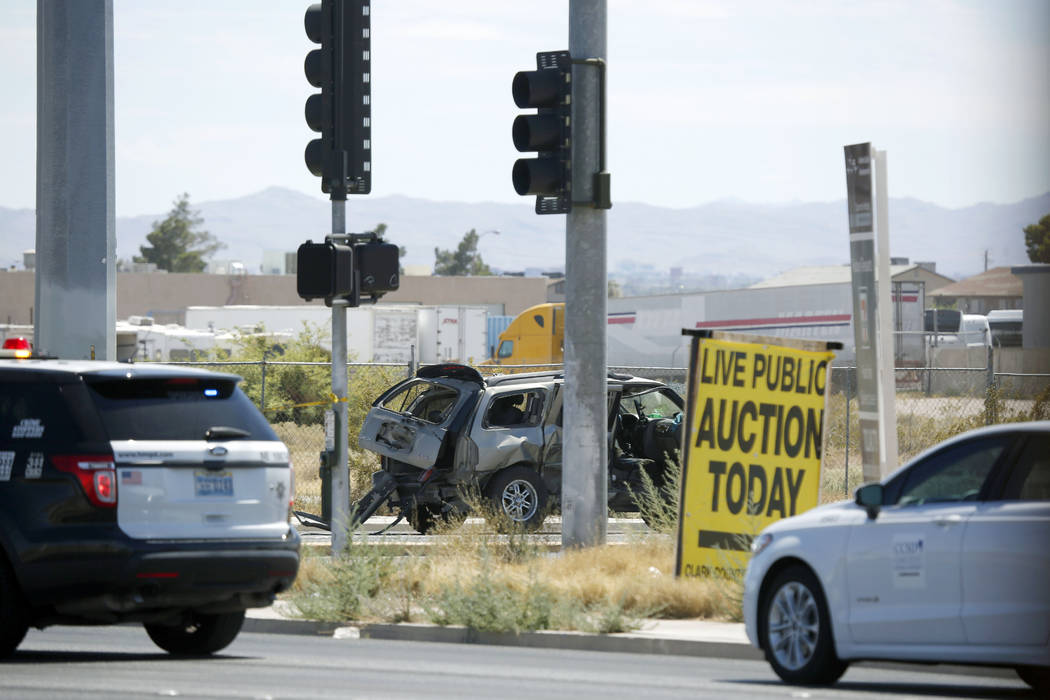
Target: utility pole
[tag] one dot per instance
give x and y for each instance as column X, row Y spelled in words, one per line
column 75, row 193
column 584, row 485
column 568, row 176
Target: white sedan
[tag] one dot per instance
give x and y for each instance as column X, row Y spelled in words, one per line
column 947, row 560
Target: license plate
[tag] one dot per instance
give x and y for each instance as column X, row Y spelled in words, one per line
column 208, row 484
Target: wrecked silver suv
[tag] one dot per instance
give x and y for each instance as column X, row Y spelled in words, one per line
column 449, row 431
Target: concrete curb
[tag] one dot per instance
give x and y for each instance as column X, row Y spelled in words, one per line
column 625, row 643
column 577, row 641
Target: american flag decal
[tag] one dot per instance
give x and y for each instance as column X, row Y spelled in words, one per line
column 132, row 477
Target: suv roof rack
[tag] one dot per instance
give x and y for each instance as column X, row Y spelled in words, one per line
column 525, row 376
column 552, row 374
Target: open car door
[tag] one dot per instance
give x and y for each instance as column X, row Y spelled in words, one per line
column 409, row 423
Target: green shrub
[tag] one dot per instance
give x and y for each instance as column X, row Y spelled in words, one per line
column 348, row 587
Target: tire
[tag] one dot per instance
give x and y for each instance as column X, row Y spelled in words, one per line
column 795, row 630
column 421, row 518
column 520, row 498
column 1038, row 677
column 424, row 519
column 13, row 619
column 198, row 634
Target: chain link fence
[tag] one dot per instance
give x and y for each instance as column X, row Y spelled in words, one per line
column 932, row 404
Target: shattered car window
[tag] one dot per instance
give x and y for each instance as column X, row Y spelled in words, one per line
column 650, row 404
column 424, row 400
column 511, row 410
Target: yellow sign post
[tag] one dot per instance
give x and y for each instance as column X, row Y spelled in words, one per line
column 753, row 444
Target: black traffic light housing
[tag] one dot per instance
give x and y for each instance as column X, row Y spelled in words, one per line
column 358, row 265
column 378, row 267
column 324, row 271
column 548, row 89
column 342, row 111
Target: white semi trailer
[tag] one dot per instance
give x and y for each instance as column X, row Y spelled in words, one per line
column 379, row 333
column 647, row 331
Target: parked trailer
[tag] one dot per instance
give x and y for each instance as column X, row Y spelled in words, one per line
column 647, row 331
column 141, row 340
column 380, row 333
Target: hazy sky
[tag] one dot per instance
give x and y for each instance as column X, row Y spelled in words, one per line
column 707, row 99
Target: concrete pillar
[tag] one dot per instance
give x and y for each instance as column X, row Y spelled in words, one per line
column 75, row 195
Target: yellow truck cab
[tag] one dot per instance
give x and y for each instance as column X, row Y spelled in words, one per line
column 535, row 337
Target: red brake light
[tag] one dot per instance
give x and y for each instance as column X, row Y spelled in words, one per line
column 96, row 473
column 106, row 486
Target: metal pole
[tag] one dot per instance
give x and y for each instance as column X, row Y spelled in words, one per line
column 847, row 371
column 262, row 387
column 584, row 480
column 990, row 414
column 340, row 475
column 885, row 356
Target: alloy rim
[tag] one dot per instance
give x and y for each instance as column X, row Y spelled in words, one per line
column 794, row 625
column 519, row 500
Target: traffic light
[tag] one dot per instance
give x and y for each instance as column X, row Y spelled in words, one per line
column 324, row 271
column 342, row 111
column 548, row 89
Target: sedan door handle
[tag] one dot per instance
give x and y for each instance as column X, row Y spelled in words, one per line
column 944, row 520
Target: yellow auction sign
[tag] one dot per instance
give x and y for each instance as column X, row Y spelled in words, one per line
column 753, row 444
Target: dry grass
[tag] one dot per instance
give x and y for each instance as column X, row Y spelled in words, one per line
column 305, row 443
column 505, row 583
column 640, row 576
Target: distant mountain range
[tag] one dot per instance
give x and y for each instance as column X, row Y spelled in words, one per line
column 727, row 237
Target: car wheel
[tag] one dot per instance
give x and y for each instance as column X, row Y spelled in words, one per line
column 198, row 634
column 1038, row 677
column 520, row 498
column 424, row 519
column 796, row 629
column 13, row 620
column 421, row 518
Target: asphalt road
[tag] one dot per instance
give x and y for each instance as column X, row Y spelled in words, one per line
column 121, row 662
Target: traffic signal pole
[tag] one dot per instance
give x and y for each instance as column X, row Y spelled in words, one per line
column 340, row 472
column 584, row 485
column 335, row 174
column 342, row 157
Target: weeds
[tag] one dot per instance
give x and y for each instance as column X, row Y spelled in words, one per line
column 658, row 505
column 476, row 580
column 492, row 603
column 343, row 588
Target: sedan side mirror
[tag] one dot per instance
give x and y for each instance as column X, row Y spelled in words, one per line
column 869, row 496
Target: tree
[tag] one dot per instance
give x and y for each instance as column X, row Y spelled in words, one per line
column 1037, row 240
column 465, row 260
column 177, row 244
